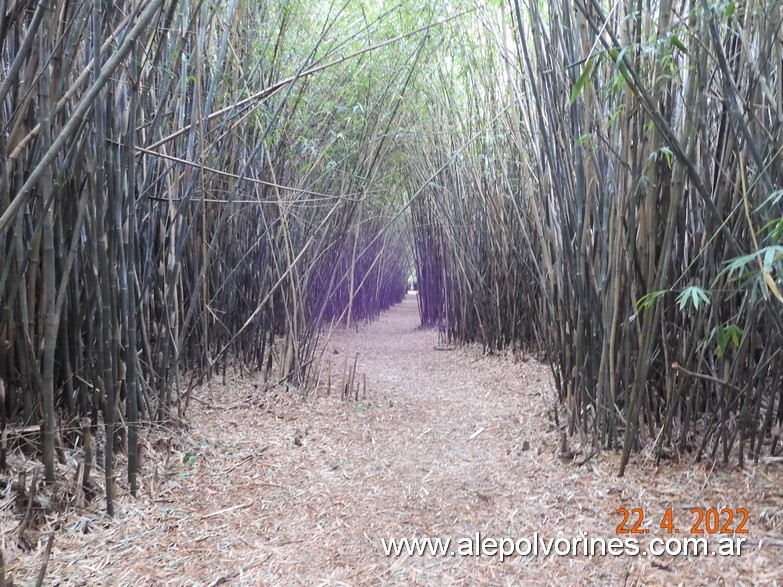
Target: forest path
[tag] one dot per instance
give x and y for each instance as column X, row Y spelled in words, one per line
column 267, row 488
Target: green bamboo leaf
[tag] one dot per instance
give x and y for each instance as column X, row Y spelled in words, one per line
column 773, row 230
column 773, row 199
column 728, row 333
column 580, row 81
column 667, row 152
column 675, row 41
column 693, row 295
column 735, row 265
column 723, row 342
column 617, row 57
column 770, row 256
column 647, row 299
column 730, row 9
column 582, row 139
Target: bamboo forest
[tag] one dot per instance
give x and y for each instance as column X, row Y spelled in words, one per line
column 354, row 292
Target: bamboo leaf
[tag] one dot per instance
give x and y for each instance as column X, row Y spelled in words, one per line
column 693, row 295
column 582, row 140
column 772, row 200
column 728, row 333
column 770, row 283
column 773, row 230
column 580, row 81
column 770, row 256
column 735, row 265
column 675, row 41
column 648, row 299
column 729, row 11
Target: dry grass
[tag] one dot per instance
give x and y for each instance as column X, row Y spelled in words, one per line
column 266, row 487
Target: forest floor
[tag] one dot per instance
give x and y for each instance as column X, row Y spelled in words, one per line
column 267, row 487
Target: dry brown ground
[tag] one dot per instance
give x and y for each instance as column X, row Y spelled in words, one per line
column 266, row 488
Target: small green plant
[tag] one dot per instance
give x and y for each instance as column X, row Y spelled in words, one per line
column 189, row 459
column 693, row 295
column 769, row 260
column 727, row 333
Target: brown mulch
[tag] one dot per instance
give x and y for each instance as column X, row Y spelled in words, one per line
column 269, row 487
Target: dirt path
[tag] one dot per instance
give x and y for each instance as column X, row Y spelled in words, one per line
column 268, row 489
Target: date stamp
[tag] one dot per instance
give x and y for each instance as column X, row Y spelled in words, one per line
column 699, row 521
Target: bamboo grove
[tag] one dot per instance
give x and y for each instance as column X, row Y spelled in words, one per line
column 193, row 187
column 619, row 206
column 185, row 186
